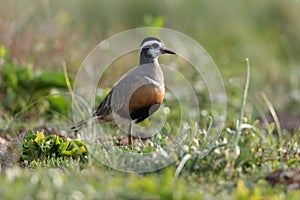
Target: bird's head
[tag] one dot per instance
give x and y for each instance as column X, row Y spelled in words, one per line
column 152, row 47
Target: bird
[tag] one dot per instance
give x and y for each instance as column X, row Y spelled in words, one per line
column 138, row 94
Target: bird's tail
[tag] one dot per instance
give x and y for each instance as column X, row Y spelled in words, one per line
column 83, row 123
column 79, row 125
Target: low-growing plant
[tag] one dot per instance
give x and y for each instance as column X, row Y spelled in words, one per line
column 39, row 148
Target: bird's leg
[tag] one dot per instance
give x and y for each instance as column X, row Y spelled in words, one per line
column 129, row 135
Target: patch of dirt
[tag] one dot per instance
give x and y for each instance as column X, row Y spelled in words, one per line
column 3, row 150
column 288, row 177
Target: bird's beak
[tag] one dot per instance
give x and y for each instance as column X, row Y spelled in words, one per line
column 167, row 51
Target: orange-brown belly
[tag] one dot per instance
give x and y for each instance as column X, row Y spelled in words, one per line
column 145, row 96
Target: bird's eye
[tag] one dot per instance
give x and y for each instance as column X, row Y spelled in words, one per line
column 155, row 45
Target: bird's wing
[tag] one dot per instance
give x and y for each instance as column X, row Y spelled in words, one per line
column 124, row 90
column 120, row 94
column 117, row 100
column 105, row 107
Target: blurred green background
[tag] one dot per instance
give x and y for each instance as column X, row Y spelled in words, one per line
column 46, row 33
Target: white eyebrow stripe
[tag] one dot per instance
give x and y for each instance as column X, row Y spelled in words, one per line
column 148, row 43
column 152, row 81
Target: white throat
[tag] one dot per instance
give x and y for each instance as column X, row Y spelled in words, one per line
column 155, row 61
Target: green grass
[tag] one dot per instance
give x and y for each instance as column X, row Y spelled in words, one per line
column 39, row 38
column 220, row 173
column 235, row 165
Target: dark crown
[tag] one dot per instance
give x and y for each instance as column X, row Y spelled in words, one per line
column 149, row 39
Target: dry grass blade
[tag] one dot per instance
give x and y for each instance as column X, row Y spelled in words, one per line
column 273, row 113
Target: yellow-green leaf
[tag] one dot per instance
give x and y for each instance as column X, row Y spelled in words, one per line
column 40, row 138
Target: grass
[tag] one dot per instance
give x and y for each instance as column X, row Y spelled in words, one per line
column 219, row 173
column 234, row 166
column 203, row 171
